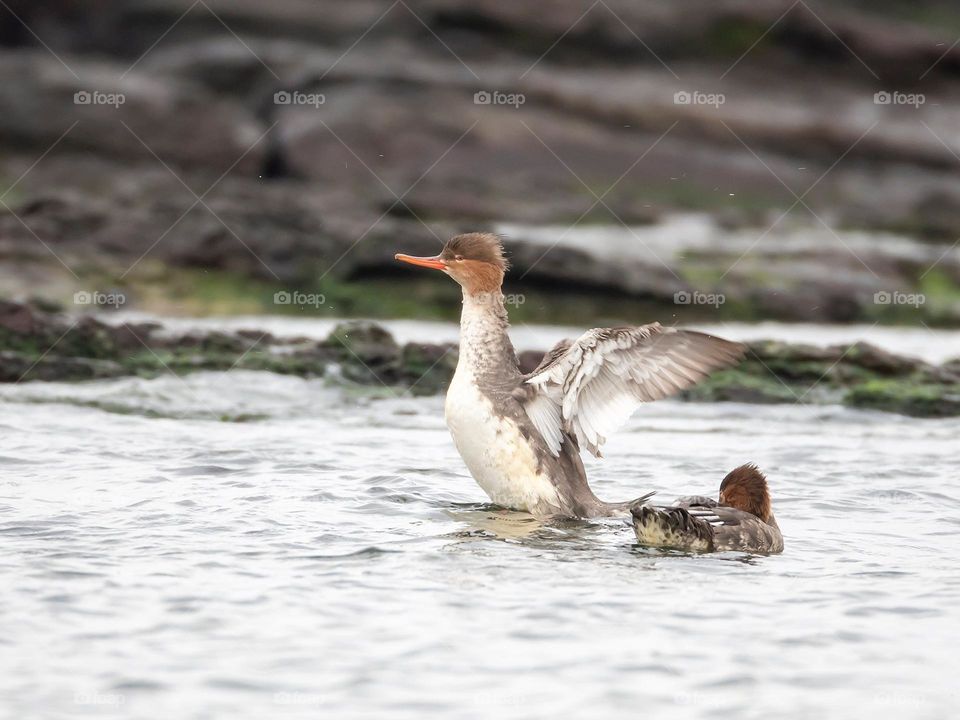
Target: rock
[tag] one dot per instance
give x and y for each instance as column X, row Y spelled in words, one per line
column 367, row 352
column 132, row 117
column 595, row 115
column 952, row 367
column 428, row 368
column 17, row 367
column 133, row 337
column 906, row 399
column 121, row 217
column 37, row 345
column 880, row 361
column 17, row 318
column 735, row 386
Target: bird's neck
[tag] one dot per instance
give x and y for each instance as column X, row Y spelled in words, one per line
column 485, row 345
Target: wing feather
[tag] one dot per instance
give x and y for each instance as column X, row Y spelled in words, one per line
column 590, row 387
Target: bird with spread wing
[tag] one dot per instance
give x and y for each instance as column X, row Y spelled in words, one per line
column 520, row 435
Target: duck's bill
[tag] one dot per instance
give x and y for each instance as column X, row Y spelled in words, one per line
column 429, row 262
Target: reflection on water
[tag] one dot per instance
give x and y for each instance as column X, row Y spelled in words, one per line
column 497, row 523
column 329, row 556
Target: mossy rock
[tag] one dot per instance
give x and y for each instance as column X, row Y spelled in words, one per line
column 908, row 399
column 364, row 340
column 428, row 368
column 19, row 367
column 880, row 361
column 90, row 339
column 739, row 386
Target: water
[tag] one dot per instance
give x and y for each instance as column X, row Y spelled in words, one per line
column 245, row 545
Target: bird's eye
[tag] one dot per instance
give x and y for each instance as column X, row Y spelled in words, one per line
column 458, row 257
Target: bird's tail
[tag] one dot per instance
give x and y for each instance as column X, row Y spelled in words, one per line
column 674, row 528
column 622, row 508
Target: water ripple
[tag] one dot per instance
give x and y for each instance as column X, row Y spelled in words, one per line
column 312, row 560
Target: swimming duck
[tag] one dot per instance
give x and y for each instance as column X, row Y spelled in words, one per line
column 741, row 519
column 520, row 434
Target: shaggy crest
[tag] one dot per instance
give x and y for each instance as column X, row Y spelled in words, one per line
column 745, row 488
column 481, row 247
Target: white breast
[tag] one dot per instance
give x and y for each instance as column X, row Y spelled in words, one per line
column 494, row 450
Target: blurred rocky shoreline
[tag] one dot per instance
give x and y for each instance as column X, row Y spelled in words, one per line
column 37, row 344
column 799, row 158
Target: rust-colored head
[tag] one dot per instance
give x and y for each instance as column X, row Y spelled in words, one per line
column 745, row 488
column 475, row 260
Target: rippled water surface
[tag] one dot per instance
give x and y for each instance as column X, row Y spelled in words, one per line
column 246, row 545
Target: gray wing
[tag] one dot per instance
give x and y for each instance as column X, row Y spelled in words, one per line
column 738, row 530
column 695, row 500
column 552, row 355
column 590, row 387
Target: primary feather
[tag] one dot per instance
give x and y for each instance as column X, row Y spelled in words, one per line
column 590, row 388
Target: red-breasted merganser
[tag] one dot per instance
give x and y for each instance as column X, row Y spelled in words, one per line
column 741, row 520
column 520, row 434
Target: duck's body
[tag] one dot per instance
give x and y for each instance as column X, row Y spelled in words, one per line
column 493, row 432
column 742, row 519
column 520, row 434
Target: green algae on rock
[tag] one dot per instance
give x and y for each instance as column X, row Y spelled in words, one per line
column 37, row 344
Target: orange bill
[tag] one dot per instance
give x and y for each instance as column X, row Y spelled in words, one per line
column 430, row 262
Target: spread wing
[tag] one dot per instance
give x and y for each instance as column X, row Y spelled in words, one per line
column 590, row 387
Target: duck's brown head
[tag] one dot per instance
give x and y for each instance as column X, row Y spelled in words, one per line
column 475, row 260
column 745, row 488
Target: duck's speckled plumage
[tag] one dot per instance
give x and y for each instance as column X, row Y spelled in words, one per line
column 701, row 524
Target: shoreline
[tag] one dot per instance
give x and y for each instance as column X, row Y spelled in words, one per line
column 40, row 345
